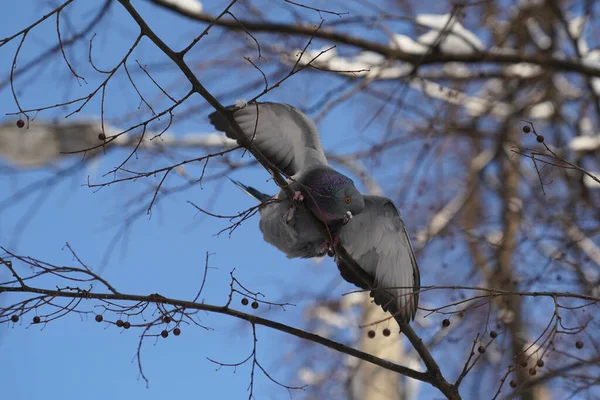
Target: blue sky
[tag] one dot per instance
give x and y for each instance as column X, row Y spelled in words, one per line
column 164, row 254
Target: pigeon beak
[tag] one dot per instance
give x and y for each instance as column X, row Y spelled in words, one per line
column 347, row 217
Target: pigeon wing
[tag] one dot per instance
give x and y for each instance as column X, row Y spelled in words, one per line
column 377, row 240
column 285, row 135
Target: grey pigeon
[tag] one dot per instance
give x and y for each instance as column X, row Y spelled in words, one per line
column 290, row 140
column 375, row 237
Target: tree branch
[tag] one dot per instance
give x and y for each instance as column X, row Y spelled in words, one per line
column 391, row 52
column 253, row 319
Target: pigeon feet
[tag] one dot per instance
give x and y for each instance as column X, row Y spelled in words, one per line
column 297, row 198
column 324, row 248
column 331, row 247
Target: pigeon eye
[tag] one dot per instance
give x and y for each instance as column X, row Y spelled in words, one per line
column 347, row 200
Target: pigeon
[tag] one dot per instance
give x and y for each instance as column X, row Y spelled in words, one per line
column 375, row 237
column 291, row 142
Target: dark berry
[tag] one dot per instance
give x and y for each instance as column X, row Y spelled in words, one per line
column 166, row 319
column 101, row 136
column 20, row 123
column 532, row 371
column 540, row 139
column 446, row 323
column 578, row 344
column 120, row 323
column 126, row 325
column 540, row 363
column 481, row 349
column 36, row 320
column 164, row 334
column 99, row 318
column 176, row 331
column 14, row 318
column 254, row 305
column 523, row 364
column 493, row 334
column 386, row 332
column 244, row 301
column 371, row 334
column 330, row 253
column 526, row 129
column 513, row 384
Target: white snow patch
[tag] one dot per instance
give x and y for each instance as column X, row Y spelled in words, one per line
column 457, row 69
column 208, row 140
column 352, row 299
column 576, row 30
column 474, row 106
column 309, row 377
column 585, row 143
column 322, row 55
column 592, row 59
column 407, row 44
column 192, row 6
column 329, row 317
column 494, row 237
column 531, row 349
column 492, row 88
column 542, row 110
column 364, row 64
column 435, row 21
column 348, row 65
column 455, row 39
column 458, row 39
column 351, row 362
column 370, row 58
column 449, row 44
column 585, row 126
column 412, row 387
column 566, row 88
column 523, row 70
column 537, row 34
column 591, row 183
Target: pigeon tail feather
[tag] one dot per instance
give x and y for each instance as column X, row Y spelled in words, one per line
column 250, row 191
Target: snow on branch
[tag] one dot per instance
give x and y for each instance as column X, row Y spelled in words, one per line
column 456, row 39
column 373, row 66
column 191, row 6
column 585, row 143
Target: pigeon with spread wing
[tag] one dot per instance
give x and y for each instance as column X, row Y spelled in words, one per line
column 370, row 228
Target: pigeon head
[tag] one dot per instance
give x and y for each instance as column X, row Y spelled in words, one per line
column 331, row 196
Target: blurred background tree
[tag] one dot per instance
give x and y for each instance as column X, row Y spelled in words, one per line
column 479, row 118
